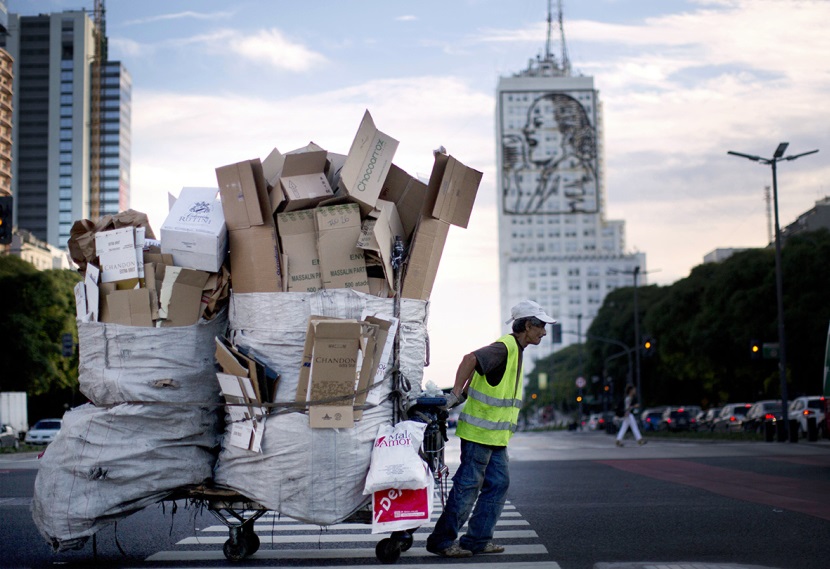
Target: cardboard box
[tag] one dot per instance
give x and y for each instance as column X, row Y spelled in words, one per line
column 180, row 296
column 378, row 234
column 335, row 346
column 424, row 256
column 235, row 361
column 303, row 180
column 453, row 187
column 273, row 163
column 368, row 162
column 387, row 328
column 244, row 192
column 194, row 232
column 247, row 419
column 298, row 241
column 409, row 196
column 342, row 264
column 117, row 254
column 255, row 263
column 128, row 307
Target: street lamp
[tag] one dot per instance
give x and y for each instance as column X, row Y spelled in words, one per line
column 777, row 157
column 635, row 273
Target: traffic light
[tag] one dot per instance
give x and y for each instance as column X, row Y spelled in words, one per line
column 6, row 221
column 648, row 347
column 579, row 399
column 756, row 351
column 556, row 333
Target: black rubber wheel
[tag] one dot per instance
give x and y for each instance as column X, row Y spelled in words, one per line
column 235, row 552
column 251, row 542
column 388, row 551
column 406, row 542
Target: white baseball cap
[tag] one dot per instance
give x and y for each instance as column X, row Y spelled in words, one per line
column 528, row 308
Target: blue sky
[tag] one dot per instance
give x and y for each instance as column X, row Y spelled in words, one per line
column 681, row 82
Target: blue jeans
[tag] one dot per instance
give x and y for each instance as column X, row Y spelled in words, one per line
column 483, row 474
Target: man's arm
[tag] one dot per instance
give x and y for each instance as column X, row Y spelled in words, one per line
column 464, row 374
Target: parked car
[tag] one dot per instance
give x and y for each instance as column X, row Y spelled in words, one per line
column 802, row 408
column 760, row 413
column 693, row 411
column 8, row 438
column 731, row 418
column 650, row 419
column 606, row 422
column 675, row 419
column 593, row 421
column 706, row 419
column 44, row 432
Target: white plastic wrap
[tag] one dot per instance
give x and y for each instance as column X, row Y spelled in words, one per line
column 120, row 364
column 107, row 463
column 314, row 475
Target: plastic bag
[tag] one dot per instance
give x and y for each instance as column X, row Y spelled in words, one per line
column 395, row 459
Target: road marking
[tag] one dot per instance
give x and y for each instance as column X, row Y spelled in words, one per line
column 259, row 525
column 413, row 554
column 340, row 538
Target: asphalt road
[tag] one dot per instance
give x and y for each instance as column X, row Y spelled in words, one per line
column 576, row 502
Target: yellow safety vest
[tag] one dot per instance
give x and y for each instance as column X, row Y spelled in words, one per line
column 491, row 413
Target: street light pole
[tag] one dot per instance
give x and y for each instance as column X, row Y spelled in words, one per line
column 637, row 335
column 778, row 156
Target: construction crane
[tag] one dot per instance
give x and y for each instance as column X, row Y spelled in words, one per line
column 99, row 57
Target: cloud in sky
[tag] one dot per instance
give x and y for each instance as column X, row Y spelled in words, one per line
column 179, row 16
column 406, row 18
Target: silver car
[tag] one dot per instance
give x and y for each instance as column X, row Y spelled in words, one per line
column 44, row 432
column 8, row 438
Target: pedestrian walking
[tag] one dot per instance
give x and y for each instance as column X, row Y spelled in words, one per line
column 629, row 420
column 491, row 378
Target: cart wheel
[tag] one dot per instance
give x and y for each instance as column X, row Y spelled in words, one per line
column 236, row 551
column 405, row 539
column 388, row 551
column 251, row 542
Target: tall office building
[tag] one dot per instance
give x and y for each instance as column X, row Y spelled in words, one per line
column 555, row 245
column 67, row 163
column 6, row 96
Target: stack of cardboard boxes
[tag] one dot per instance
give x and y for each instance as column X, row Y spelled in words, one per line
column 310, row 219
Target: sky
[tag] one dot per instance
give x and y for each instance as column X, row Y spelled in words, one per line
column 681, row 83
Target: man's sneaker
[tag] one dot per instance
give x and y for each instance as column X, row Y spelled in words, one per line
column 642, row 442
column 619, row 443
column 454, row 550
column 491, row 548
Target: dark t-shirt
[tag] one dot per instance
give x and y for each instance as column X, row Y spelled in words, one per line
column 491, row 361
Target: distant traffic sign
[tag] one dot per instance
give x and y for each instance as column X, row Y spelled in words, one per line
column 580, row 382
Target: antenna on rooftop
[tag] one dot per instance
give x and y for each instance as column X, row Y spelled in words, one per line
column 566, row 63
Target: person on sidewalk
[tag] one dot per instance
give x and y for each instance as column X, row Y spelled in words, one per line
column 491, row 377
column 629, row 420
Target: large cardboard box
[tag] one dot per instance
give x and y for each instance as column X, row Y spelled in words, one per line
column 342, row 264
column 117, row 255
column 368, row 162
column 378, row 234
column 195, row 232
column 303, row 180
column 298, row 240
column 255, row 259
column 245, row 199
column 453, row 187
column 127, row 307
column 424, row 256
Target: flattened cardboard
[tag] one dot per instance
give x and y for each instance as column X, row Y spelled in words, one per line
column 387, row 328
column 378, row 234
column 367, row 163
column 453, row 187
column 424, row 256
column 244, row 192
column 303, row 180
column 80, row 302
column 255, row 265
column 93, row 300
column 409, row 195
column 116, row 251
column 342, row 264
column 247, row 419
column 129, row 307
column 334, row 372
column 298, row 240
column 194, row 232
column 185, row 302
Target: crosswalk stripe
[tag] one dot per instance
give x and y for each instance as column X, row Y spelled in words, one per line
column 260, row 526
column 340, row 538
column 411, row 555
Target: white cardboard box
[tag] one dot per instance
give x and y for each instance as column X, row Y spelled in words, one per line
column 195, row 232
column 116, row 252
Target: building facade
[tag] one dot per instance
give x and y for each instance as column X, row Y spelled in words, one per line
column 52, row 127
column 555, row 245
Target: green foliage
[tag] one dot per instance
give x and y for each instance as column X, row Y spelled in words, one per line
column 38, row 308
column 702, row 326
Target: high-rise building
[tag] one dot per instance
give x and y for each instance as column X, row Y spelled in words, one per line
column 6, row 96
column 57, row 141
column 555, row 245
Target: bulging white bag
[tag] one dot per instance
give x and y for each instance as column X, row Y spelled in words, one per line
column 395, row 460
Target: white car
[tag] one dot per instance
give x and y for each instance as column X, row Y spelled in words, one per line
column 802, row 408
column 44, row 432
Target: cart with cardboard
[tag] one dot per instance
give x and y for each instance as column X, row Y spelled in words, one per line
column 330, row 290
